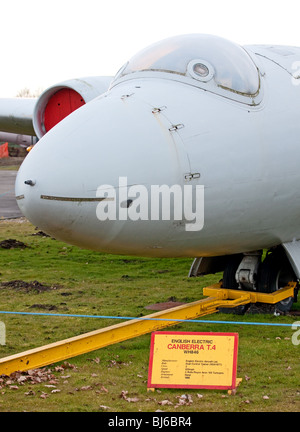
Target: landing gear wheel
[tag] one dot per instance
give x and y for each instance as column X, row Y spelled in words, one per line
column 230, row 282
column 275, row 273
column 232, row 265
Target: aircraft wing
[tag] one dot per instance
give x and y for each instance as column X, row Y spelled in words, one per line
column 16, row 115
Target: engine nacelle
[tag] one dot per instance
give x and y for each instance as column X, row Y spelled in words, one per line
column 60, row 100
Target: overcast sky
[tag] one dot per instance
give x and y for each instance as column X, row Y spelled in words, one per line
column 45, row 42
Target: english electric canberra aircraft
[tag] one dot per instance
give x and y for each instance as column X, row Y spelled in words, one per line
column 195, row 115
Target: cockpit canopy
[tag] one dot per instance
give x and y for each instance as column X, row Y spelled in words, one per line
column 203, row 57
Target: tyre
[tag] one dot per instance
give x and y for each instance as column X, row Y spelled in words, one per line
column 232, row 265
column 275, row 273
column 230, row 282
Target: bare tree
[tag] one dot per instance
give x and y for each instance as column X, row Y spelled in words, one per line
column 27, row 93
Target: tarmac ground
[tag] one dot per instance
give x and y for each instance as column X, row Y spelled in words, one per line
column 8, row 205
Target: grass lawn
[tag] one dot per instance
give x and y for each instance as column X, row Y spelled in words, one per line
column 115, row 378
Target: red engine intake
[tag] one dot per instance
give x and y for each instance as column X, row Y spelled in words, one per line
column 59, row 101
column 60, row 105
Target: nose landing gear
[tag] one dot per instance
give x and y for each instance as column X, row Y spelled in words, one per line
column 249, row 272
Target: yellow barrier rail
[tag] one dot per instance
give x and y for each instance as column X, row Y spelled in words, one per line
column 77, row 345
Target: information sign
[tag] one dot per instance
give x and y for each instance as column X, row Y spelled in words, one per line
column 193, row 360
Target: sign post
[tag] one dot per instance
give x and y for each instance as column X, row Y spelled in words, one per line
column 193, row 360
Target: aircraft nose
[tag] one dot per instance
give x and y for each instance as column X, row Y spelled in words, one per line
column 111, row 137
